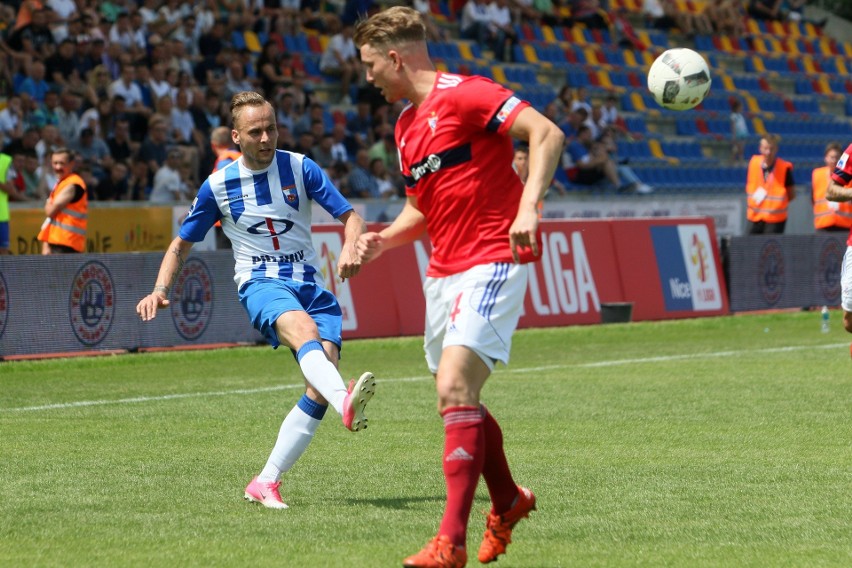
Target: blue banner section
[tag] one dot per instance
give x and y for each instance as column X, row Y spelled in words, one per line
column 674, row 277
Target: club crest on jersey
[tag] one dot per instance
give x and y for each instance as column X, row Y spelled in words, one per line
column 433, row 122
column 291, row 196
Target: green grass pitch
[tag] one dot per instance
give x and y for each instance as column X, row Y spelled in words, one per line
column 704, row 442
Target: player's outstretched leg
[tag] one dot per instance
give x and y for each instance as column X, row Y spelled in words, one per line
column 357, row 397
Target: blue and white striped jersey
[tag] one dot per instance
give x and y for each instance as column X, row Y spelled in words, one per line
column 267, row 216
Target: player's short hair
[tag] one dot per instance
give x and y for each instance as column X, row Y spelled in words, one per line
column 244, row 99
column 392, row 27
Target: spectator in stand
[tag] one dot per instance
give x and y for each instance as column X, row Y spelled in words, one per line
column 769, row 189
column 362, row 183
column 170, row 185
column 589, row 13
column 121, row 147
column 285, row 111
column 726, row 17
column 581, row 100
column 385, row 186
column 45, row 113
column 321, row 151
column 114, row 187
column 340, row 59
column 49, row 140
column 739, row 130
column 344, row 146
column 316, row 113
column 271, row 75
column 157, row 82
column 360, row 124
column 829, row 216
column 588, row 162
column 123, row 34
column 33, row 40
column 154, row 148
column 500, row 20
column 98, row 118
column 286, row 141
column 475, row 24
column 35, row 84
column 60, row 66
column 93, row 152
column 765, row 10
column 236, row 80
column 11, row 121
column 433, row 32
column 68, row 117
column 36, row 186
column 126, row 87
column 139, row 183
column 665, row 14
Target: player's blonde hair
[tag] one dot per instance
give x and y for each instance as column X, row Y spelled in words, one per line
column 244, row 99
column 390, row 28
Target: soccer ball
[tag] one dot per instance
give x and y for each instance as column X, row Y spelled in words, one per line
column 679, row 79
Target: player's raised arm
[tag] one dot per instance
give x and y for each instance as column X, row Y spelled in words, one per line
column 545, row 141
column 171, row 266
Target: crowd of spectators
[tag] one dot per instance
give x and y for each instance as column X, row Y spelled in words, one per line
column 135, row 88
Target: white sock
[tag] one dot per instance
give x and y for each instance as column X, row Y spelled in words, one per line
column 294, row 436
column 322, row 374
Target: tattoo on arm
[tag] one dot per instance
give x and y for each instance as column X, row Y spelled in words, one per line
column 180, row 262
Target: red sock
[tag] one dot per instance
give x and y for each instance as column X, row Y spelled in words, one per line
column 464, row 451
column 495, row 468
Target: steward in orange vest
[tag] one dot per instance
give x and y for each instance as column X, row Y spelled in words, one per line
column 769, row 189
column 64, row 230
column 222, row 146
column 829, row 215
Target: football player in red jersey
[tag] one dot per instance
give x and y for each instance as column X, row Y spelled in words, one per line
column 840, row 189
column 455, row 140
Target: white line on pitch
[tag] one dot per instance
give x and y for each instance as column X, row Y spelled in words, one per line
column 664, row 358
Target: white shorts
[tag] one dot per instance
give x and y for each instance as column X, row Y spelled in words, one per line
column 846, row 281
column 478, row 308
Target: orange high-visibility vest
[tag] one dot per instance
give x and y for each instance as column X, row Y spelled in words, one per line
column 773, row 207
column 68, row 228
column 828, row 213
column 227, row 157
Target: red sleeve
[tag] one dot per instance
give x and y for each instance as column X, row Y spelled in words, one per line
column 487, row 104
column 843, row 172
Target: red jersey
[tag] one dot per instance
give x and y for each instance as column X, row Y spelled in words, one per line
column 843, row 175
column 456, row 156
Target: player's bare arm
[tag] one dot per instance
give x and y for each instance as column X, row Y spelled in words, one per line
column 545, row 141
column 837, row 192
column 349, row 263
column 171, row 266
column 408, row 226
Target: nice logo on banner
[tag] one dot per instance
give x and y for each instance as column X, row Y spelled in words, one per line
column 687, row 268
